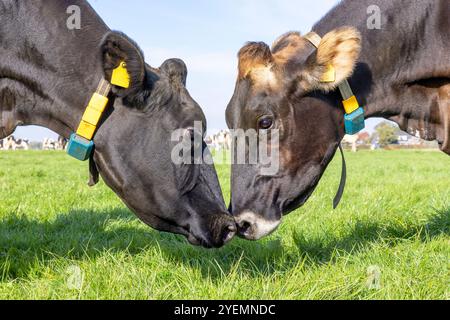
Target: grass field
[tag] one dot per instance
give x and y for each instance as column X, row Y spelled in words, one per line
column 390, row 238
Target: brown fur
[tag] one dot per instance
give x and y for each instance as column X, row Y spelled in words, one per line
column 287, row 46
column 253, row 55
column 402, row 74
column 340, row 47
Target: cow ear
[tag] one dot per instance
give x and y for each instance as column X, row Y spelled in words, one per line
column 175, row 70
column 337, row 54
column 254, row 56
column 117, row 48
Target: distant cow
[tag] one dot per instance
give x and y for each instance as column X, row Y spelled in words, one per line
column 221, row 140
column 49, row 144
column 62, row 143
column 351, row 140
column 10, row 143
column 22, row 144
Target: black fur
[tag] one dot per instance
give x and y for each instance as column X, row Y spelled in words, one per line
column 47, row 76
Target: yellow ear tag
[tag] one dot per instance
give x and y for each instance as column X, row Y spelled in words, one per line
column 329, row 75
column 120, row 76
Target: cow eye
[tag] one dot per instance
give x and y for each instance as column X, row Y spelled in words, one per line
column 265, row 123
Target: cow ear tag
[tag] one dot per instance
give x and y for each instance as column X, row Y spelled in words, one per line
column 329, row 75
column 120, row 76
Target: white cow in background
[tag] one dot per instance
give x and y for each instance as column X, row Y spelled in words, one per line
column 50, row 144
column 352, row 140
column 22, row 144
column 10, row 143
column 62, row 143
column 222, row 140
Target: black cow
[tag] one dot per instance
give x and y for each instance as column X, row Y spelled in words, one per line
column 402, row 74
column 48, row 72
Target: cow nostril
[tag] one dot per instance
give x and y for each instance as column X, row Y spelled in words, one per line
column 229, row 232
column 244, row 227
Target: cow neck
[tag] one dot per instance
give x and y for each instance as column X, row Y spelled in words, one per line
column 52, row 84
column 389, row 84
column 52, row 109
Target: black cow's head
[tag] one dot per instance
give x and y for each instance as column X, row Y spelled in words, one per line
column 134, row 148
column 281, row 89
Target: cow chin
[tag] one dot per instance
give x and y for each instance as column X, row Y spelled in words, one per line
column 291, row 205
column 222, row 232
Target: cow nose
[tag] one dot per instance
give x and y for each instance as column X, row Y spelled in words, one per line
column 254, row 227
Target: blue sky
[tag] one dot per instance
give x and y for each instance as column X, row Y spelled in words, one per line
column 206, row 34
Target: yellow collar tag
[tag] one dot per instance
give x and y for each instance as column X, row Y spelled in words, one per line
column 80, row 144
column 99, row 101
column 94, row 111
column 120, row 76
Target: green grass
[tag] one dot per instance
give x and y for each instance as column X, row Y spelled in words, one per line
column 60, row 239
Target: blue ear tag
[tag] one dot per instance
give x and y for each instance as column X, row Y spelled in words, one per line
column 354, row 122
column 79, row 147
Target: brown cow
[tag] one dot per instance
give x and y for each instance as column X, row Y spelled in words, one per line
column 400, row 72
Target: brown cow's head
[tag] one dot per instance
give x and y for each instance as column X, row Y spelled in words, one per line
column 280, row 89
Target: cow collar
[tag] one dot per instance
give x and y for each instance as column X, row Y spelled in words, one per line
column 354, row 114
column 81, row 144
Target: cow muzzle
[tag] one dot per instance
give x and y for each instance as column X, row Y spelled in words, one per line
column 221, row 232
column 252, row 226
